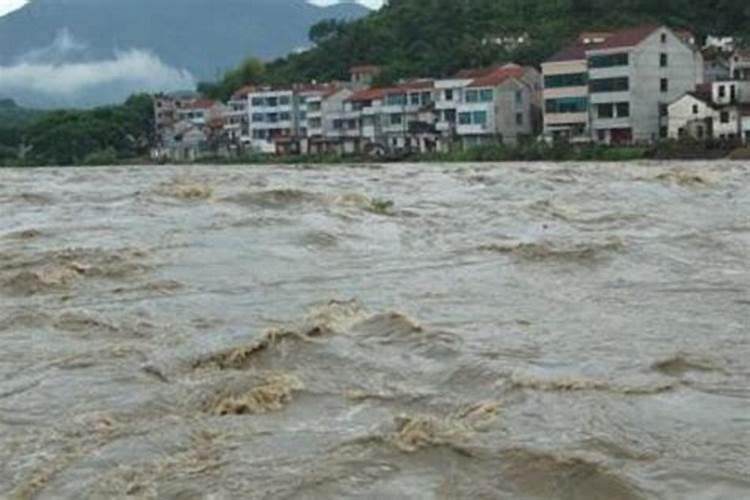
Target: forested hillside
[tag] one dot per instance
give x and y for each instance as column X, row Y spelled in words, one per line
column 437, row 37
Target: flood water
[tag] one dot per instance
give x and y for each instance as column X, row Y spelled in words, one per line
column 535, row 331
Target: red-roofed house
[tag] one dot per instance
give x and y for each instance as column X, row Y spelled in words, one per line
column 488, row 105
column 615, row 87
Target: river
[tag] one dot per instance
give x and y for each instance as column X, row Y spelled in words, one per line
column 519, row 331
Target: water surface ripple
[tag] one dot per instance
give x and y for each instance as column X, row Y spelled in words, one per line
column 534, row 331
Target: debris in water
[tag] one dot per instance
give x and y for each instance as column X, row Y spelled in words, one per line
column 542, row 250
column 681, row 364
column 577, row 384
column 683, row 178
column 271, row 396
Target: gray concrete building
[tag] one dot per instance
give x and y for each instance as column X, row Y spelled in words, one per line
column 631, row 76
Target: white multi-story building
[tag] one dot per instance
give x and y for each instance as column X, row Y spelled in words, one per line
column 617, row 86
column 273, row 118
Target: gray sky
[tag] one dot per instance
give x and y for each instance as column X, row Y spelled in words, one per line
column 11, row 5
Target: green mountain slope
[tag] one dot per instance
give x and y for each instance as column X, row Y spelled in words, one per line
column 437, row 37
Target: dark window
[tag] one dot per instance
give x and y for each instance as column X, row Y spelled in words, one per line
column 449, row 94
column 663, row 109
column 602, row 134
column 663, row 132
column 566, row 105
column 664, row 85
column 567, row 80
column 623, row 109
column 519, row 118
column 663, row 38
column 605, row 110
column 610, row 85
column 722, row 91
column 663, row 60
column 733, row 92
column 700, row 132
column 695, row 109
column 609, row 60
column 725, row 117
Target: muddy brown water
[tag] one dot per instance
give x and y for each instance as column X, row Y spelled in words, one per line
column 531, row 331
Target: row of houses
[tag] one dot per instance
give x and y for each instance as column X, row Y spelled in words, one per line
column 636, row 85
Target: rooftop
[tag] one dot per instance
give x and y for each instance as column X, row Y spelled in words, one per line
column 498, row 76
column 629, row 37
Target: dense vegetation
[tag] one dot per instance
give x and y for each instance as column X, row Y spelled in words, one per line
column 99, row 136
column 438, row 37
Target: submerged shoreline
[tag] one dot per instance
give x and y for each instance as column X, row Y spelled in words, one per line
column 562, row 153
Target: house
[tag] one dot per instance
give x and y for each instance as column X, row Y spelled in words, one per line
column 711, row 112
column 615, row 87
column 237, row 120
column 364, row 75
column 716, row 66
column 566, row 93
column 740, row 64
column 497, row 106
column 492, row 105
column 272, row 119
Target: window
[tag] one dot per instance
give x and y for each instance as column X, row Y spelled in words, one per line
column 696, row 109
column 605, row 111
column 414, row 99
column 314, row 123
column 284, row 100
column 257, row 101
column 610, row 85
column 664, row 85
column 338, row 124
column 302, row 115
column 724, row 117
column 448, row 94
column 426, row 98
column 602, row 135
column 396, row 119
column 566, row 80
column 486, row 95
column 314, row 107
column 722, row 91
column 464, row 118
column 733, row 93
column 284, row 117
column 257, row 117
column 663, row 132
column 479, row 117
column 450, row 115
column 396, row 100
column 663, row 109
column 301, row 99
column 623, row 109
column 609, row 60
column 519, row 97
column 472, row 96
column 663, row 38
column 519, row 119
column 663, row 60
column 566, row 105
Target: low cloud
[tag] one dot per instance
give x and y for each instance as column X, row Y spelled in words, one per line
column 59, row 74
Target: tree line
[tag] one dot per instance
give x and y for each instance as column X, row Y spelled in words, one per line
column 413, row 38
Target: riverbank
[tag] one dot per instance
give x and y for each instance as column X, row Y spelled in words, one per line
column 530, row 152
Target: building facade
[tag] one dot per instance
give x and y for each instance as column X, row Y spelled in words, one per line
column 615, row 88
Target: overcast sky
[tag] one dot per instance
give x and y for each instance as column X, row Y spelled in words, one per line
column 11, row 5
